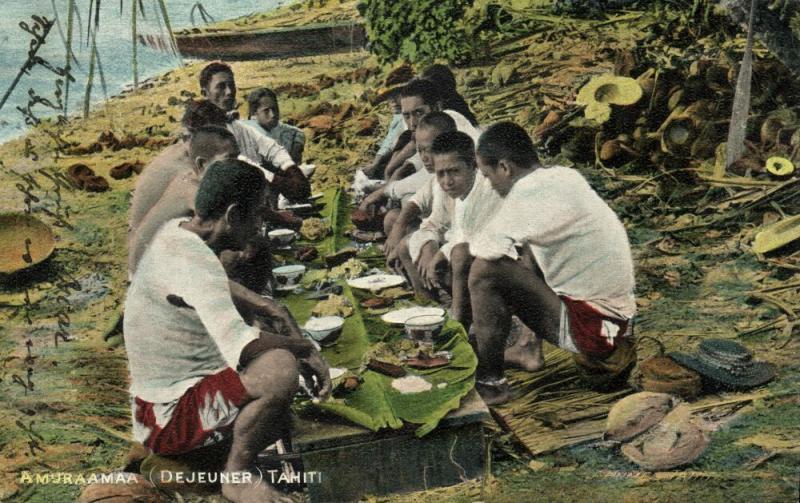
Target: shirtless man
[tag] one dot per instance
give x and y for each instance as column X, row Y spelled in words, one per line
column 463, row 204
column 207, row 144
column 199, row 373
column 556, row 256
column 217, row 85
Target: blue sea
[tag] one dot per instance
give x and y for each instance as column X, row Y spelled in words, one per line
column 114, row 44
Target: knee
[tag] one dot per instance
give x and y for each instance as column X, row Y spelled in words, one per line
column 460, row 259
column 272, row 375
column 482, row 274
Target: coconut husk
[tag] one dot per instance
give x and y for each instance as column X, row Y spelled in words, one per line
column 636, row 413
column 769, row 131
column 678, row 136
column 138, row 489
column 647, row 81
column 699, row 67
column 718, row 79
column 548, row 122
column 605, row 90
column 676, row 441
column 779, row 167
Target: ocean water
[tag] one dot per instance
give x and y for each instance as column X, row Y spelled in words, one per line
column 114, row 46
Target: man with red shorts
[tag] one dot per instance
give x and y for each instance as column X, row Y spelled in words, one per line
column 199, row 373
column 556, row 256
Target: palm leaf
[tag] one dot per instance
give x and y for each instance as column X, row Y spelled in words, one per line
column 87, row 98
column 165, row 16
column 134, row 36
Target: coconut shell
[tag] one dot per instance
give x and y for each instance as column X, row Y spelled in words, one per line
column 678, row 440
column 610, row 149
column 636, row 413
column 140, row 490
column 78, row 173
column 661, row 374
column 769, row 131
column 95, row 184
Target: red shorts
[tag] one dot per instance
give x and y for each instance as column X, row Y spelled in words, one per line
column 589, row 328
column 203, row 416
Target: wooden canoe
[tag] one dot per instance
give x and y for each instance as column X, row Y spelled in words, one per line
column 309, row 40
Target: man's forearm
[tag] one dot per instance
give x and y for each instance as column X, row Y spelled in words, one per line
column 300, row 348
column 253, row 304
column 408, row 215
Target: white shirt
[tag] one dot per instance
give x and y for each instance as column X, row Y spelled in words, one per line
column 576, row 239
column 259, row 147
column 171, row 348
column 456, row 221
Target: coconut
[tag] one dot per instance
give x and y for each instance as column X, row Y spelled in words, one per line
column 605, row 90
column 661, row 374
column 636, row 413
column 678, row 440
column 779, row 166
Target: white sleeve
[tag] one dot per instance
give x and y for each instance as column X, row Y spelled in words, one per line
column 423, row 197
column 202, row 283
column 267, row 148
column 432, row 228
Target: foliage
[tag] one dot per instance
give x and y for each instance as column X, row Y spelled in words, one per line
column 420, row 31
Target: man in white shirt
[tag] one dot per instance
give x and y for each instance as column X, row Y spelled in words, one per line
column 218, row 86
column 199, row 373
column 463, row 203
column 556, row 256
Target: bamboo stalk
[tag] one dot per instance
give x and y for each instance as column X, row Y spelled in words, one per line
column 134, row 36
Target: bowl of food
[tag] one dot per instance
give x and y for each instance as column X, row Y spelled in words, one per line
column 325, row 330
column 288, row 276
column 424, row 329
column 282, row 237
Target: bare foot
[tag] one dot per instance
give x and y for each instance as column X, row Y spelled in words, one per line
column 495, row 394
column 525, row 353
column 254, row 492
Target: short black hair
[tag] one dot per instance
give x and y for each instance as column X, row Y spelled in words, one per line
column 457, row 143
column 202, row 144
column 201, row 113
column 425, row 89
column 229, row 182
column 438, row 120
column 255, row 96
column 506, row 140
column 212, row 68
column 441, row 76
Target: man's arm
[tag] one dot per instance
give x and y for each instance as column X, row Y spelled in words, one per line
column 399, row 158
column 292, row 183
column 373, row 200
column 408, row 215
column 251, row 303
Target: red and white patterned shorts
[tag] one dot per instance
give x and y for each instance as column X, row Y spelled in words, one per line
column 203, row 416
column 591, row 329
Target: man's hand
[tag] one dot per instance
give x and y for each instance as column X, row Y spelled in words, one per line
column 393, row 260
column 315, row 365
column 430, row 269
column 371, row 202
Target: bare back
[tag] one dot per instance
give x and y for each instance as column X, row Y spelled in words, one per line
column 155, row 179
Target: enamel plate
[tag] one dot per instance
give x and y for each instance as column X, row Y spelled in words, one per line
column 376, row 282
column 400, row 316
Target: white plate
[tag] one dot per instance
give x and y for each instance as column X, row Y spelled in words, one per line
column 314, row 197
column 286, row 288
column 377, row 282
column 301, row 206
column 400, row 316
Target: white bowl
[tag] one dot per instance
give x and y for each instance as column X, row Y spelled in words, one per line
column 282, row 236
column 325, row 330
column 288, row 275
column 424, row 328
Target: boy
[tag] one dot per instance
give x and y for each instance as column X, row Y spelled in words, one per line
column 264, row 115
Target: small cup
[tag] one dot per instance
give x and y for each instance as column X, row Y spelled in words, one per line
column 282, row 237
column 424, row 329
column 288, row 276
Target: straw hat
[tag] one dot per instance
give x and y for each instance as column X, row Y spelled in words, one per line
column 661, row 374
column 636, row 413
column 17, row 229
column 678, row 440
column 727, row 364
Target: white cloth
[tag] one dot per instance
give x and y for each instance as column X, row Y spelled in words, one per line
column 456, row 221
column 463, row 125
column 576, row 239
column 259, row 147
column 171, row 348
column 401, row 190
column 423, row 197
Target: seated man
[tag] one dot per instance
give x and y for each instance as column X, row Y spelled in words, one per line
column 264, row 115
column 173, row 161
column 207, row 144
column 217, row 85
column 437, row 254
column 198, row 371
column 445, row 81
column 556, row 256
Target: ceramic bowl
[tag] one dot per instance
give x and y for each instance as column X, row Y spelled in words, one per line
column 424, row 329
column 289, row 275
column 325, row 330
column 282, row 237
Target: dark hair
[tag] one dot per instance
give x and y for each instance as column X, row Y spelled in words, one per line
column 425, row 89
column 255, row 96
column 202, row 143
column 212, row 68
column 455, row 142
column 438, row 120
column 506, row 140
column 201, row 113
column 441, row 76
column 229, row 182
